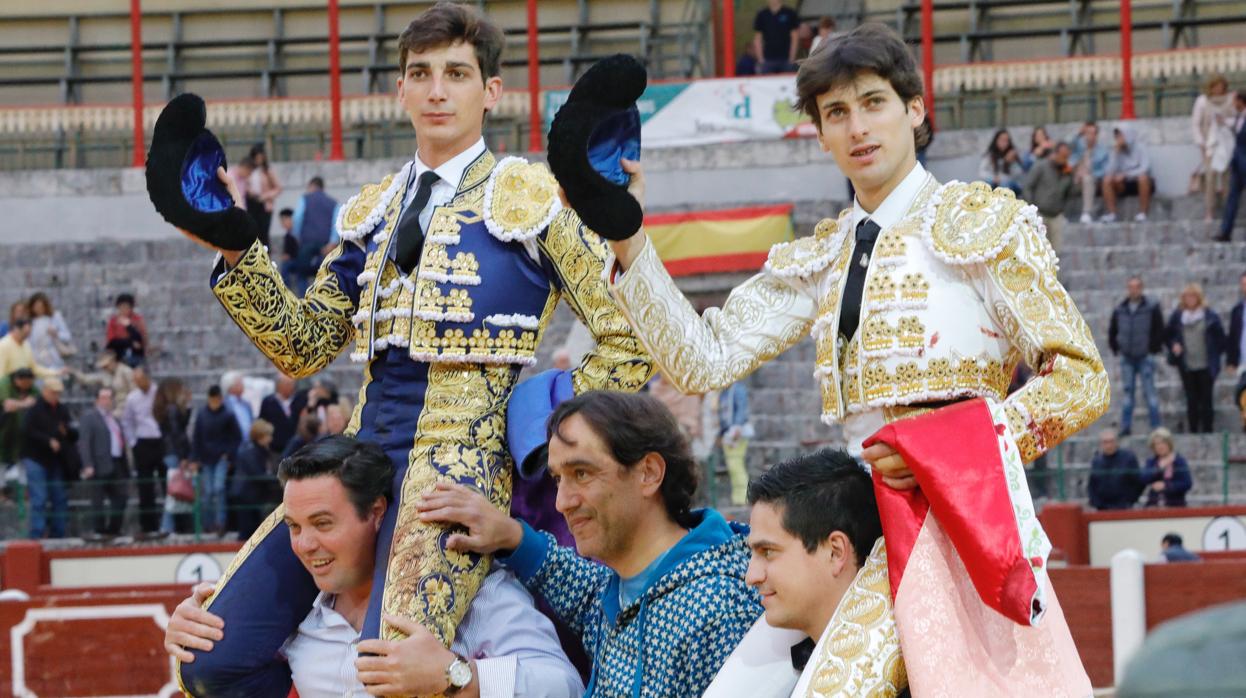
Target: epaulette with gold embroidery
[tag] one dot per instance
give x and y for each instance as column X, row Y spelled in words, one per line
column 521, row 199
column 361, row 214
column 969, row 223
column 808, row 255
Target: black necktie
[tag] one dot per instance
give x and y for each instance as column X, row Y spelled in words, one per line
column 801, row 652
column 850, row 307
column 410, row 236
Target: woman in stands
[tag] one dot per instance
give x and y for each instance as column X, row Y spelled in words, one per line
column 1166, row 475
column 1212, row 121
column 1001, row 164
column 50, row 339
column 1196, row 344
column 1041, row 146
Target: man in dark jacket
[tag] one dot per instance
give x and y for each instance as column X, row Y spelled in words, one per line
column 1233, row 352
column 313, row 227
column 214, row 445
column 1048, row 187
column 1115, row 477
column 101, row 444
column 281, row 410
column 45, row 455
column 1237, row 170
column 1136, row 334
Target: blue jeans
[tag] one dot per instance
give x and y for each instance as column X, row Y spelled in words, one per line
column 45, row 487
column 212, row 494
column 1131, row 369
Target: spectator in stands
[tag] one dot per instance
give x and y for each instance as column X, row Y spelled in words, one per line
column 1196, row 345
column 142, row 430
column 17, row 396
column 826, row 30
column 1041, row 146
column 1129, row 173
column 101, row 446
column 1090, row 160
column 281, row 410
column 1001, row 164
column 171, row 408
column 234, row 385
column 776, row 30
column 127, row 332
column 307, row 432
column 45, row 454
column 17, row 309
column 336, row 417
column 814, row 525
column 241, row 172
column 1212, row 122
column 249, row 485
column 112, row 373
column 1173, row 549
column 289, row 247
column 264, row 188
column 314, row 228
column 1115, row 478
column 1048, row 186
column 214, row 445
column 335, row 494
column 1166, row 475
column 1237, row 169
column 50, row 340
column 735, row 430
column 747, row 63
column 561, row 359
column 15, row 350
column 656, row 590
column 1136, row 334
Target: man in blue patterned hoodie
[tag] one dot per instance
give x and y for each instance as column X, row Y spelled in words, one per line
column 657, row 591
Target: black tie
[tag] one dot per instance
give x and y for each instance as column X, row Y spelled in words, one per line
column 801, row 652
column 410, row 236
column 850, row 307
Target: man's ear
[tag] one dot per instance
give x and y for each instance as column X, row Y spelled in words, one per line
column 378, row 512
column 652, row 471
column 839, row 553
column 917, row 111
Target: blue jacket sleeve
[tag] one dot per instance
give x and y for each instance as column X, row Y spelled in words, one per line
column 570, row 584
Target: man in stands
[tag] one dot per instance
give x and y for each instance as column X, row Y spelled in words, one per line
column 776, row 34
column 335, row 495
column 314, row 230
column 1136, row 334
column 1172, row 547
column 921, row 299
column 1115, row 477
column 657, row 591
column 1090, row 165
column 46, row 456
column 814, row 525
column 101, row 445
column 1237, row 178
column 1129, row 173
column 282, row 409
column 1048, row 186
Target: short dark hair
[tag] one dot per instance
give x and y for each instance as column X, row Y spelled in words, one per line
column 633, row 425
column 1173, row 539
column 448, row 23
column 869, row 48
column 1092, row 124
column 214, row 391
column 124, row 298
column 821, row 493
column 317, row 182
column 286, row 213
column 362, row 467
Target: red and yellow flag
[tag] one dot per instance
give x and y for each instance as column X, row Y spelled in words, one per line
column 721, row 240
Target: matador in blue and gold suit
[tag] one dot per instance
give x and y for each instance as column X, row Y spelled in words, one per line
column 442, row 348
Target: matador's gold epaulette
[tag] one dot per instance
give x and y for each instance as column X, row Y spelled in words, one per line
column 361, row 214
column 809, row 255
column 521, row 199
column 969, row 223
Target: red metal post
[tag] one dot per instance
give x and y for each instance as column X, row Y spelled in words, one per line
column 729, row 38
column 536, row 139
column 1127, row 56
column 335, row 85
column 136, row 79
column 928, row 58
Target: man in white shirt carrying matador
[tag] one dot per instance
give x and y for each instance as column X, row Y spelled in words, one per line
column 922, row 299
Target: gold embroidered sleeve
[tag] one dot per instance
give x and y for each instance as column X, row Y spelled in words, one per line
column 1070, row 388
column 300, row 336
column 761, row 318
column 619, row 361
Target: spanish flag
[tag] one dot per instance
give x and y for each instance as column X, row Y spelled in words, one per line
column 721, row 240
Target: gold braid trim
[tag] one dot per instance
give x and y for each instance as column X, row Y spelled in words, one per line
column 300, row 336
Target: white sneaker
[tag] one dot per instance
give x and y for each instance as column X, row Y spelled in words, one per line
column 1107, row 218
column 1087, row 218
column 1141, row 218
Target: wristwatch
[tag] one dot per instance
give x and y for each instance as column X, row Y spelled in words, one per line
column 458, row 674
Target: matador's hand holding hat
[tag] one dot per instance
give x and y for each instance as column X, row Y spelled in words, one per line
column 182, row 179
column 597, row 128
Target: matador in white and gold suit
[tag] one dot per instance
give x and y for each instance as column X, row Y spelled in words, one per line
column 959, row 287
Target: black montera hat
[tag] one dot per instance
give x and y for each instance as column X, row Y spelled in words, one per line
column 597, row 127
column 182, row 181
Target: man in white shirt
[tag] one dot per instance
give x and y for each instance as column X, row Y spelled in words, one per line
column 142, row 433
column 336, row 493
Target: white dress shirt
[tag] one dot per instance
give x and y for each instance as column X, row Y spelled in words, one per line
column 897, row 203
column 514, row 646
column 450, row 173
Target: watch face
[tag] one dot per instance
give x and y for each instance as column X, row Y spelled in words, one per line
column 460, row 673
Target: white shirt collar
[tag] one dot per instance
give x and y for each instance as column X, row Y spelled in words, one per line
column 324, row 607
column 451, row 171
column 897, row 203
